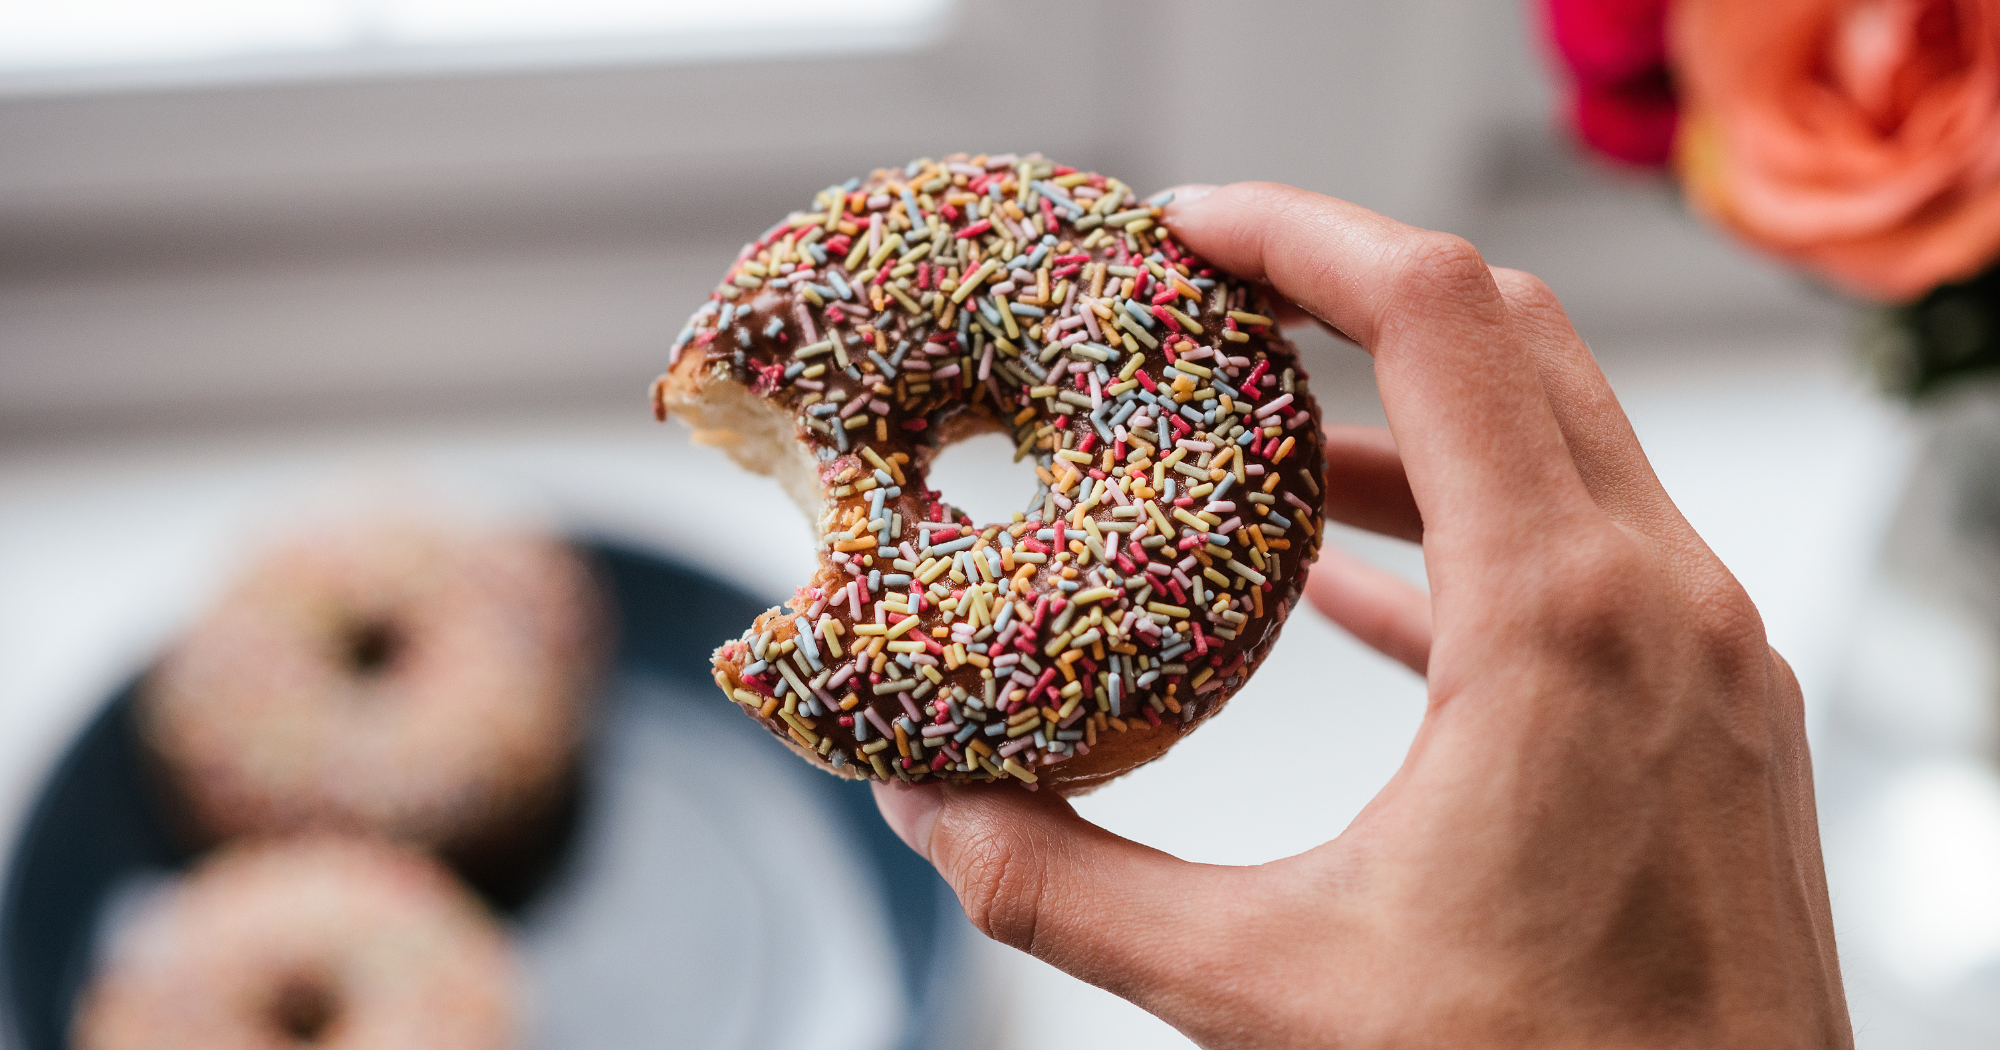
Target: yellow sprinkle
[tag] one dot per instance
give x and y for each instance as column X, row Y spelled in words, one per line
column 902, row 297
column 1197, row 523
column 1007, row 317
column 1166, row 610
column 801, row 727
column 1018, row 770
column 978, row 276
column 1246, row 317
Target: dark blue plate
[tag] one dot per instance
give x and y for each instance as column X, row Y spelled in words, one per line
column 96, row 824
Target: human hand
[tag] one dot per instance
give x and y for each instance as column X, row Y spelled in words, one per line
column 1604, row 833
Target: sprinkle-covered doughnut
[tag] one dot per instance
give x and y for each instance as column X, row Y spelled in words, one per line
column 1177, row 448
column 391, row 676
column 344, row 944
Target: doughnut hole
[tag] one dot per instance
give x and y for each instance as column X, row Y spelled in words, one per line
column 305, row 1009
column 373, row 646
column 980, row 476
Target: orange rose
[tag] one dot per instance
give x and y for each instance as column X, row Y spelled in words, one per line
column 1858, row 138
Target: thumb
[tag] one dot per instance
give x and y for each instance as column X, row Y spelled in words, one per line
column 1032, row 874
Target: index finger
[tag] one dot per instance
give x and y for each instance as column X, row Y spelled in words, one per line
column 1468, row 410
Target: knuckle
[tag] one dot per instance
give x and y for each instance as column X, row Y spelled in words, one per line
column 1442, row 267
column 1525, row 291
column 1595, row 604
column 999, row 886
column 1725, row 617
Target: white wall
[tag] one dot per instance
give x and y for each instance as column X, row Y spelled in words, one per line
column 341, row 246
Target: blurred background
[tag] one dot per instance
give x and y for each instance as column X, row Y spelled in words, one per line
column 251, row 252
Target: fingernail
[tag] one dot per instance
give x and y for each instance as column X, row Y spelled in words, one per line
column 911, row 811
column 1189, row 193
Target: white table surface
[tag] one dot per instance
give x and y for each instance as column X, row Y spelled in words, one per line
column 1778, row 453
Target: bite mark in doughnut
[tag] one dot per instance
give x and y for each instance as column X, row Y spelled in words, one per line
column 1177, row 448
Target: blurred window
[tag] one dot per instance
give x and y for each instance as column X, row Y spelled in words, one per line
column 68, row 36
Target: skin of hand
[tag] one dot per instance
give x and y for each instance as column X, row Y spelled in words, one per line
column 1604, row 832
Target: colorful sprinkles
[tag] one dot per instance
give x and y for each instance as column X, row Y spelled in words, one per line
column 1175, row 442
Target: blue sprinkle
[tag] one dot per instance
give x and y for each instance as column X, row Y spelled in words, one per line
column 897, row 579
column 839, row 286
column 1140, row 313
column 1283, row 522
column 1161, row 199
column 1024, row 310
column 874, row 579
column 771, row 330
column 962, row 543
column 882, row 363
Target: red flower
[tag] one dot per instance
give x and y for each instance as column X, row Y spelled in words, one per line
column 1623, row 103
